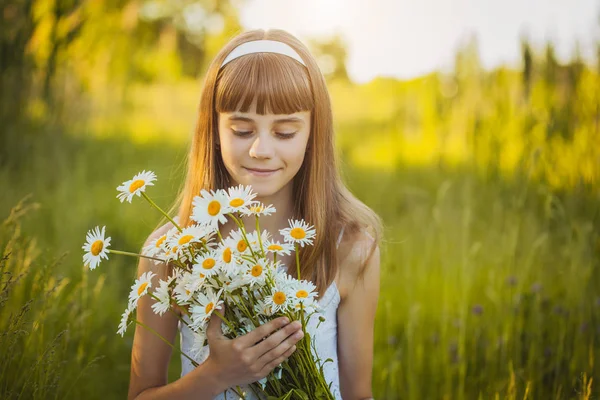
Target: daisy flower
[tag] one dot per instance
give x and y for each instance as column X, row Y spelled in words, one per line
column 210, row 208
column 303, row 293
column 135, row 186
column 180, row 242
column 259, row 209
column 156, row 247
column 262, row 308
column 184, row 290
column 206, row 264
column 279, row 299
column 163, row 303
column 231, row 282
column 274, row 247
column 141, row 286
column 240, row 198
column 237, row 239
column 257, row 272
column 283, row 279
column 96, row 247
column 253, row 238
column 206, row 305
column 226, row 255
column 125, row 320
column 299, row 232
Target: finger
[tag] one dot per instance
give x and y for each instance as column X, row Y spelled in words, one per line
column 276, row 338
column 278, row 361
column 276, row 352
column 251, row 338
column 213, row 331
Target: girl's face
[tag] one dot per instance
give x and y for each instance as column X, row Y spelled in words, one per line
column 264, row 151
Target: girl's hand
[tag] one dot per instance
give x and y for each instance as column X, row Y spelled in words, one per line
column 249, row 358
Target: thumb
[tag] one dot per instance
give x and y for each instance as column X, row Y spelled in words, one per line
column 213, row 331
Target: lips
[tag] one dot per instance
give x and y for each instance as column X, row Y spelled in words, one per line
column 261, row 169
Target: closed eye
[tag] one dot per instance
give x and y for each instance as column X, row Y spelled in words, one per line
column 281, row 135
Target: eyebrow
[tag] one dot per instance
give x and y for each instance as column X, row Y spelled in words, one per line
column 246, row 119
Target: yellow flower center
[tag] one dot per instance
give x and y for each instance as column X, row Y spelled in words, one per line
column 256, row 271
column 185, row 239
column 209, row 307
column 202, row 275
column 161, row 240
column 301, row 294
column 142, row 288
column 256, row 209
column 174, row 249
column 135, row 185
column 213, row 208
column 275, row 247
column 242, row 246
column 236, row 202
column 97, row 247
column 208, row 263
column 279, row 298
column 298, row 233
column 227, row 255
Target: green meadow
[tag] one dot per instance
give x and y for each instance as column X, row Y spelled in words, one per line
column 487, row 183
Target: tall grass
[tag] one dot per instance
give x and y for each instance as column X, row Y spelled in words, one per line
column 490, row 286
column 490, row 283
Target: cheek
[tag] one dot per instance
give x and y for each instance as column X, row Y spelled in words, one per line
column 294, row 153
column 231, row 150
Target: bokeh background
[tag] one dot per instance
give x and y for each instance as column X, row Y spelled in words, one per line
column 472, row 128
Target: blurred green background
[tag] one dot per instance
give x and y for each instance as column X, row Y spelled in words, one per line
column 487, row 180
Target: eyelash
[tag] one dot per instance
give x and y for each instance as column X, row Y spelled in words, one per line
column 247, row 133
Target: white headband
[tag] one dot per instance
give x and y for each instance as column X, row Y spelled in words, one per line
column 263, row 46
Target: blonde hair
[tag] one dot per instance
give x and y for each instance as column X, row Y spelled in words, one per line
column 282, row 86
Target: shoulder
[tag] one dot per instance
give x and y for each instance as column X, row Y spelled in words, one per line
column 145, row 265
column 359, row 260
column 158, row 233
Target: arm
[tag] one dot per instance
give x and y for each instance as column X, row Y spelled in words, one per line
column 150, row 355
column 356, row 320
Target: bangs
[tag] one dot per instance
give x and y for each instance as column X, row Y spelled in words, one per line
column 280, row 84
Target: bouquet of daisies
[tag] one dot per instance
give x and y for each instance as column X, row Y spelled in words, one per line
column 240, row 271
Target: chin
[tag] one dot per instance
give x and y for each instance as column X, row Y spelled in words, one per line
column 264, row 189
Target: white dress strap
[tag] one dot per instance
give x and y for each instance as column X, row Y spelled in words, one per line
column 339, row 239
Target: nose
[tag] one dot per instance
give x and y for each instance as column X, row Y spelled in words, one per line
column 261, row 147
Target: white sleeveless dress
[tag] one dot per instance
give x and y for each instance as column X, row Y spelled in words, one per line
column 324, row 339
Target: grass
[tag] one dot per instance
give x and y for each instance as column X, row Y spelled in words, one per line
column 489, row 289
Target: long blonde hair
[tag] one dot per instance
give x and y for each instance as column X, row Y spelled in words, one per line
column 282, row 86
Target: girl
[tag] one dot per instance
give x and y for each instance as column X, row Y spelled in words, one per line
column 265, row 120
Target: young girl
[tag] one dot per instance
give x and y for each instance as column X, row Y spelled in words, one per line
column 265, row 120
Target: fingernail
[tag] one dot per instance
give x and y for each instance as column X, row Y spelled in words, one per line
column 285, row 321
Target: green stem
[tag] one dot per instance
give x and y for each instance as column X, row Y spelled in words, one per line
column 240, row 225
column 153, row 204
column 194, row 363
column 297, row 259
column 225, row 320
column 126, row 253
column 238, row 391
column 259, row 237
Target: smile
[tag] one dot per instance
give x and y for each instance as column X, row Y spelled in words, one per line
column 261, row 172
